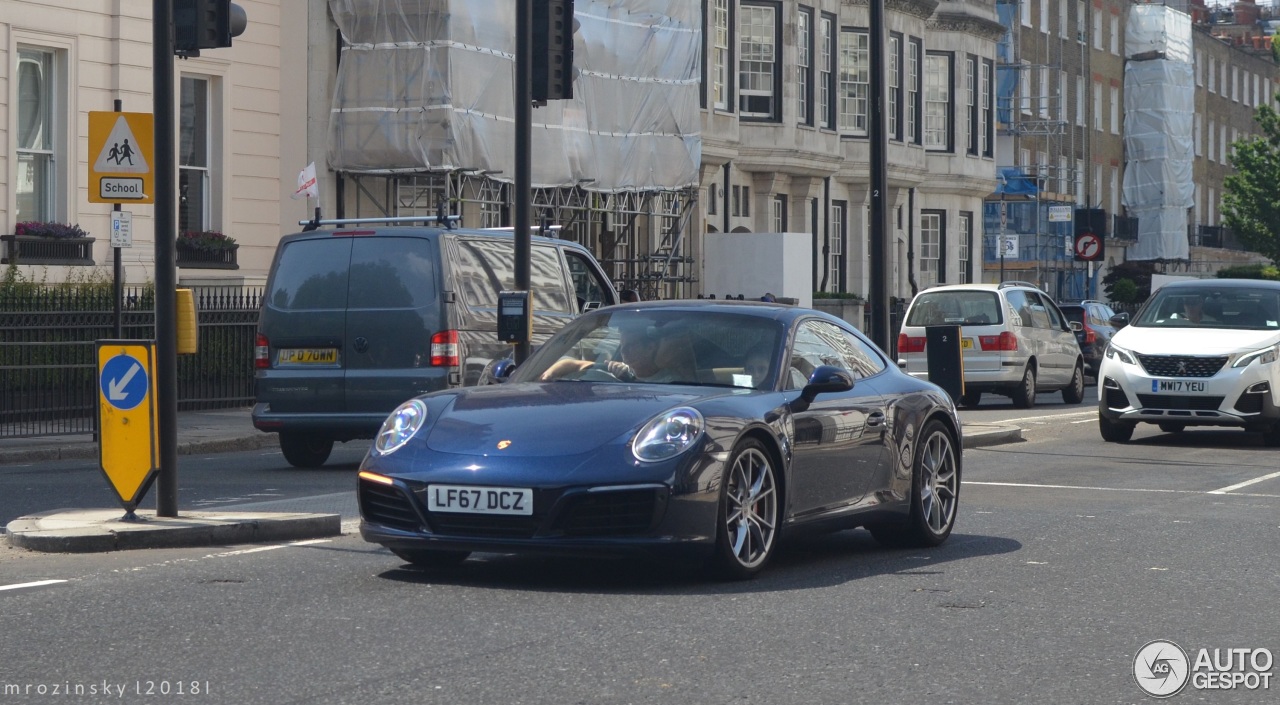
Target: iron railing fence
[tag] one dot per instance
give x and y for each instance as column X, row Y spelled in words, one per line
column 48, row 374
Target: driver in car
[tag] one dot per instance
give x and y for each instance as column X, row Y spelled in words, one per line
column 646, row 357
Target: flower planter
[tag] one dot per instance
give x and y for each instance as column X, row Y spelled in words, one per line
column 193, row 258
column 29, row 249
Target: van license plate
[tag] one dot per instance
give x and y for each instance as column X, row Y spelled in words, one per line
column 480, row 500
column 307, row 356
column 1175, row 385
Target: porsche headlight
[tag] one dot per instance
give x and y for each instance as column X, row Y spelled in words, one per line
column 1119, row 353
column 668, row 435
column 1264, row 356
column 400, row 426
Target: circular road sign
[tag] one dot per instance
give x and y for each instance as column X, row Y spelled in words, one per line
column 1088, row 246
column 124, row 382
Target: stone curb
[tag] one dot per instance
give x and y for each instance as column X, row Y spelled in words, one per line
column 1007, row 434
column 81, row 451
column 185, row 531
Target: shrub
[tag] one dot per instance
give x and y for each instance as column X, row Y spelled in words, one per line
column 206, row 240
column 1125, row 291
column 1251, row 271
column 50, row 230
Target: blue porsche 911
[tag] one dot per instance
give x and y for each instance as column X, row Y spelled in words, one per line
column 697, row 427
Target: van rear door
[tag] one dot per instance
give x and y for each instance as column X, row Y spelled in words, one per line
column 304, row 317
column 393, row 308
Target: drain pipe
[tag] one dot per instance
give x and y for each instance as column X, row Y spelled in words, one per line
column 724, row 194
column 911, row 242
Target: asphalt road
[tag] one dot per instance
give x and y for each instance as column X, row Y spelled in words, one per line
column 1069, row 556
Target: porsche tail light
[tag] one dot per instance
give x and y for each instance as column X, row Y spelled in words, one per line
column 910, row 344
column 1005, row 342
column 444, row 349
column 262, row 353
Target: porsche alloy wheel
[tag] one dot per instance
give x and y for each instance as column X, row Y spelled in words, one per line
column 748, row 527
column 935, row 493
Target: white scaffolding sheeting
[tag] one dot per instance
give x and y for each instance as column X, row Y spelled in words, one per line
column 429, row 85
column 1159, row 113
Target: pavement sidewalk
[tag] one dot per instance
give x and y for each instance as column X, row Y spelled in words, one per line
column 201, row 432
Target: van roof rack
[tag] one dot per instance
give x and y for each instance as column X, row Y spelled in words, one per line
column 1015, row 282
column 448, row 220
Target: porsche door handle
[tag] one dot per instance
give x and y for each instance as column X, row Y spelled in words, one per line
column 875, row 419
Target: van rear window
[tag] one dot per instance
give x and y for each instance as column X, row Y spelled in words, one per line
column 966, row 308
column 311, row 275
column 392, row 272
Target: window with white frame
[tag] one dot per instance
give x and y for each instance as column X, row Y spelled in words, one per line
column 1198, row 138
column 720, row 54
column 1222, row 81
column 1115, row 110
column 855, row 80
column 1062, row 18
column 986, row 124
column 1213, row 133
column 1097, row 184
column 1097, row 30
column 835, row 246
column 194, row 146
column 1222, row 143
column 1062, row 97
column 826, row 72
column 1063, row 176
column 1024, row 10
column 937, row 101
column 1195, row 213
column 1024, row 87
column 1199, row 67
column 1044, row 16
column 41, row 95
column 1081, row 23
column 1115, row 189
column 1235, row 83
column 894, row 94
column 914, row 53
column 804, row 66
column 1097, row 106
column 1046, row 91
column 758, row 61
column 778, row 213
column 931, row 262
column 1213, row 207
column 965, row 237
column 1115, row 35
column 971, row 103
column 1213, row 73
column 1079, row 101
column 1079, row 190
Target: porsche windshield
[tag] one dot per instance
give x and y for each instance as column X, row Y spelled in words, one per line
column 660, row 346
column 1213, row 307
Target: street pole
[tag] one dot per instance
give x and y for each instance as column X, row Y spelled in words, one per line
column 118, row 289
column 1004, row 217
column 166, row 386
column 524, row 139
column 877, row 212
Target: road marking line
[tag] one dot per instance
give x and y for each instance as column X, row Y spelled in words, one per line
column 1114, row 489
column 38, row 583
column 267, row 548
column 1246, row 483
column 1091, row 412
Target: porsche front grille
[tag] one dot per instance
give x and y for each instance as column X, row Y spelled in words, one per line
column 1182, row 365
column 610, row 513
column 381, row 504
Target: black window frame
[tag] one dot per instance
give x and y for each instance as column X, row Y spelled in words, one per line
column 915, row 46
column 811, row 72
column 898, row 93
column 775, row 100
column 833, row 50
column 949, row 138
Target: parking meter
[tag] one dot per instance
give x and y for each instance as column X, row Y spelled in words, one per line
column 515, row 319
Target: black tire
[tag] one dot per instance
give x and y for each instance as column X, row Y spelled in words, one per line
column 970, row 399
column 935, row 493
column 427, row 558
column 1024, row 395
column 1172, row 427
column 1074, row 393
column 1115, row 431
column 305, row 450
column 750, row 513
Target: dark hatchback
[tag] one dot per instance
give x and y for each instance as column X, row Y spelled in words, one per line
column 1095, row 331
column 708, row 429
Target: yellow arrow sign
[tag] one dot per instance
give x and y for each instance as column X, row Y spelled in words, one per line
column 128, row 451
column 121, row 155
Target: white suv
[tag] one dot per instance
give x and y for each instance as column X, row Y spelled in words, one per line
column 1014, row 341
column 1198, row 353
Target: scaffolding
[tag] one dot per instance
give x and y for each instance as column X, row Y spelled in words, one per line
column 1039, row 146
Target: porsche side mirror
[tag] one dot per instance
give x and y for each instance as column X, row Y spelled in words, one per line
column 502, row 370
column 826, row 379
column 1120, row 320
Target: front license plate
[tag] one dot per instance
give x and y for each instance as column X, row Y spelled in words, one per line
column 480, row 500
column 1175, row 386
column 307, row 356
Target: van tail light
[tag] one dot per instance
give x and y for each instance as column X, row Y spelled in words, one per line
column 910, row 344
column 1090, row 336
column 444, row 349
column 1005, row 342
column 262, row 353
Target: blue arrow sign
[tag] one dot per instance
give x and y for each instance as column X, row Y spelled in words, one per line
column 124, row 382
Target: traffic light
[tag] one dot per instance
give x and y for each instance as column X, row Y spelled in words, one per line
column 553, row 30
column 205, row 24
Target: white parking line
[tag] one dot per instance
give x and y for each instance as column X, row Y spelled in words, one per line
column 38, row 583
column 268, row 548
column 1126, row 489
column 1246, row 483
column 1091, row 412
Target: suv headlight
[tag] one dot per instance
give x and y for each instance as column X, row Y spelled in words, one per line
column 1264, row 356
column 668, row 435
column 400, row 426
column 1120, row 354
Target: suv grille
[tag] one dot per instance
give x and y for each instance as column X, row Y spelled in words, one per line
column 1181, row 365
column 380, row 504
column 1173, row 401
